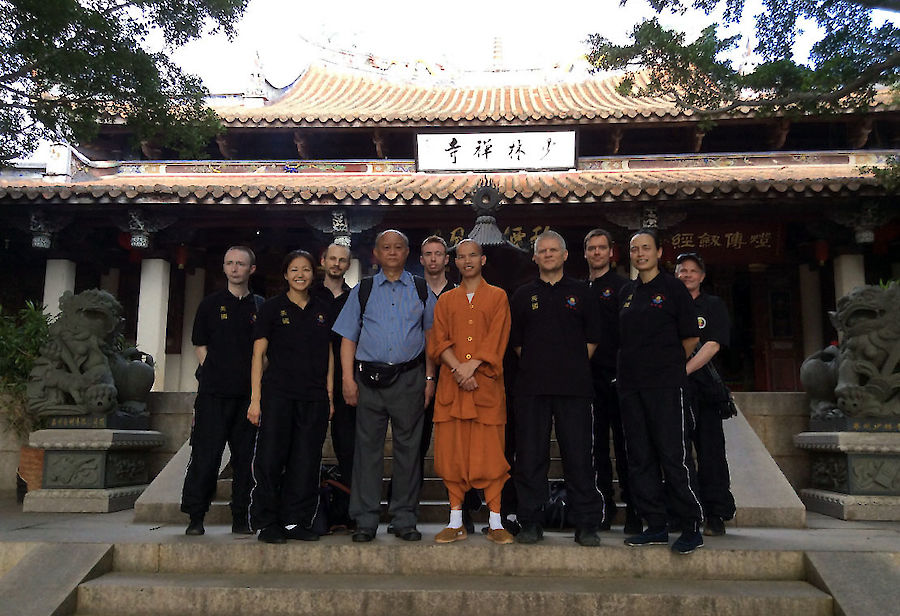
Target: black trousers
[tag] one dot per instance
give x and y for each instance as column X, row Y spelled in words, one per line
column 218, row 421
column 287, row 461
column 574, row 423
column 713, row 478
column 608, row 419
column 343, row 436
column 657, row 424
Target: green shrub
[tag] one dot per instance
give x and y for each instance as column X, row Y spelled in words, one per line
column 21, row 337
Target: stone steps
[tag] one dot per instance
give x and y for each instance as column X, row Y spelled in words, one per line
column 246, row 578
column 438, row 595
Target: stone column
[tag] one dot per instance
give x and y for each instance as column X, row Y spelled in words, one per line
column 811, row 310
column 849, row 273
column 193, row 293
column 109, row 281
column 353, row 273
column 153, row 306
column 59, row 278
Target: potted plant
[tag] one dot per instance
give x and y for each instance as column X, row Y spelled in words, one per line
column 21, row 336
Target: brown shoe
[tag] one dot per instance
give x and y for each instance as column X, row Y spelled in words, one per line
column 500, row 536
column 449, row 535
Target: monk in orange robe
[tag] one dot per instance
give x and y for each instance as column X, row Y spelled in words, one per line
column 468, row 339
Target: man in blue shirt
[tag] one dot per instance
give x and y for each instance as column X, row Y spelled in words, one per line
column 387, row 377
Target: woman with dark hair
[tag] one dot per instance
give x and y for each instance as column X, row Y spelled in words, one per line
column 658, row 329
column 291, row 402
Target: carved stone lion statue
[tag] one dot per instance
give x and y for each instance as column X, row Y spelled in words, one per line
column 868, row 381
column 82, row 369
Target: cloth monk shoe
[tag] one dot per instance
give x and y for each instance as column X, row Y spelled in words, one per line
column 500, row 536
column 449, row 535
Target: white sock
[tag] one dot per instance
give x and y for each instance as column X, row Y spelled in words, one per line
column 290, row 526
column 455, row 518
column 495, row 521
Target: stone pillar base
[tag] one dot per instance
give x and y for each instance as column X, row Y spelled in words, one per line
column 105, row 500
column 852, row 507
column 92, row 471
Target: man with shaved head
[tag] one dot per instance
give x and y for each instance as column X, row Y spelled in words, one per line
column 471, row 329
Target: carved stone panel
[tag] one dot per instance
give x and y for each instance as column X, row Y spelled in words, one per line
column 874, row 474
column 829, row 472
column 126, row 468
column 73, row 469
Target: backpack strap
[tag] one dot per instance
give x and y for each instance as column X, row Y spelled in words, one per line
column 422, row 288
column 365, row 290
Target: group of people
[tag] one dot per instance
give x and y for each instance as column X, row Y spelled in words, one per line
column 597, row 358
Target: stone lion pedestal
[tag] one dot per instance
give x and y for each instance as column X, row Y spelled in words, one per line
column 855, row 475
column 854, row 395
column 90, row 391
column 91, row 471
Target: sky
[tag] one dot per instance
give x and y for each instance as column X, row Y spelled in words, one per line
column 459, row 33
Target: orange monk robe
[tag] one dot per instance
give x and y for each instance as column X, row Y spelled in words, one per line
column 469, row 426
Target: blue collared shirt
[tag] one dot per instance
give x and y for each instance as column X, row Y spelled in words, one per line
column 394, row 325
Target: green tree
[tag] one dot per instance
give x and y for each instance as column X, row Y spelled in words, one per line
column 852, row 59
column 67, row 64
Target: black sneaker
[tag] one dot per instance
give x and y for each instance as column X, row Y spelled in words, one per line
column 271, row 534
column 633, row 523
column 363, row 535
column 715, row 526
column 689, row 541
column 410, row 533
column 298, row 533
column 530, row 533
column 588, row 536
column 655, row 535
column 240, row 527
column 195, row 527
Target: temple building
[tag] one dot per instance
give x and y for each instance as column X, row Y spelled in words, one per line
column 778, row 206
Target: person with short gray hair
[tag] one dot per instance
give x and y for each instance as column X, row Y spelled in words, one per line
column 555, row 329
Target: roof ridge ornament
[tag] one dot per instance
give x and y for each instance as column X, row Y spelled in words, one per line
column 486, row 200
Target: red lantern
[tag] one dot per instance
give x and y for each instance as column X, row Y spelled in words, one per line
column 821, row 251
column 181, row 256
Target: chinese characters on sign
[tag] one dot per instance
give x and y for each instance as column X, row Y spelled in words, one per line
column 496, row 151
column 522, row 237
column 739, row 243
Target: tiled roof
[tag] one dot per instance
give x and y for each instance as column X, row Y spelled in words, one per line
column 398, row 189
column 329, row 96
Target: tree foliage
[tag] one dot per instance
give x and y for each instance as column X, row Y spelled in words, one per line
column 846, row 66
column 65, row 64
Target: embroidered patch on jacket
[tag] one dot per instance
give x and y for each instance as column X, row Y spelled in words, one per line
column 627, row 303
column 657, row 300
column 320, row 319
column 572, row 301
column 607, row 293
column 701, row 322
column 534, row 302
